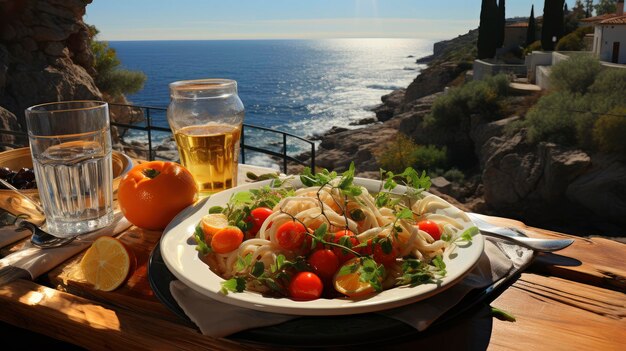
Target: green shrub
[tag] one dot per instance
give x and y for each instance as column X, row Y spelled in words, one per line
column 570, row 42
column 551, row 119
column 608, row 91
column 454, row 175
column 398, row 154
column 483, row 97
column 535, row 46
column 574, row 41
column 575, row 75
column 609, row 131
column 429, row 157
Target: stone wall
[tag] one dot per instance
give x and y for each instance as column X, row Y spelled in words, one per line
column 44, row 55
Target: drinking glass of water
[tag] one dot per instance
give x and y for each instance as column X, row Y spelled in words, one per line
column 70, row 143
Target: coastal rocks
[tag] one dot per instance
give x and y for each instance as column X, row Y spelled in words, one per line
column 432, row 80
column 337, row 150
column 390, row 104
column 602, row 189
column 44, row 54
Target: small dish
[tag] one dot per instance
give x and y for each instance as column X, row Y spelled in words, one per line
column 21, row 158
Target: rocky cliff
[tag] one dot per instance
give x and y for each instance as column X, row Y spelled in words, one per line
column 543, row 184
column 44, row 56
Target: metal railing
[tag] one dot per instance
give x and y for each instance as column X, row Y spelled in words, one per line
column 140, row 118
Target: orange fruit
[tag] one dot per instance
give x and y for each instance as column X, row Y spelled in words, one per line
column 106, row 264
column 152, row 193
column 211, row 224
column 350, row 284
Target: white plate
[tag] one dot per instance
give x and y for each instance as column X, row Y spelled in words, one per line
column 181, row 258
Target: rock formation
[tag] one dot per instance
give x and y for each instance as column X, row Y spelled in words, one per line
column 542, row 184
column 44, row 54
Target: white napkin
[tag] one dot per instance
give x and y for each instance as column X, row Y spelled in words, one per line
column 9, row 234
column 38, row 261
column 218, row 319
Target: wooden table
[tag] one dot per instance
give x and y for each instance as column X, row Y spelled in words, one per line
column 570, row 300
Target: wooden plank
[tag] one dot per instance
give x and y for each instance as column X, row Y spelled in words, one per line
column 594, row 261
column 557, row 314
column 135, row 295
column 94, row 326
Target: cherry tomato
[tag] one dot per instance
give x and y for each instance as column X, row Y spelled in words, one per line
column 383, row 258
column 341, row 253
column 378, row 254
column 306, row 286
column 431, row 228
column 257, row 217
column 325, row 263
column 291, row 235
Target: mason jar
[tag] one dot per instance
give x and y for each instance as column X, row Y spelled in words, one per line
column 206, row 117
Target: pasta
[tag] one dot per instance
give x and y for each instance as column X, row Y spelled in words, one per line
column 335, row 236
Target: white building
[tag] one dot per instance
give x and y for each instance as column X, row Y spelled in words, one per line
column 609, row 42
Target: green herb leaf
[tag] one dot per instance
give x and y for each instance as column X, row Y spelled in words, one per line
column 405, row 213
column 502, row 315
column 237, row 284
column 258, row 269
column 386, row 246
column 469, row 233
column 201, row 245
column 216, row 209
column 440, row 265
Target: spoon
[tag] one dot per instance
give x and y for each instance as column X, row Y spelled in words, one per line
column 39, row 238
column 43, row 239
column 514, row 235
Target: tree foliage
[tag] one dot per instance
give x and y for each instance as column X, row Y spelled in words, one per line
column 532, row 27
column 501, row 23
column 552, row 29
column 605, row 6
column 574, row 41
column 487, row 30
column 110, row 78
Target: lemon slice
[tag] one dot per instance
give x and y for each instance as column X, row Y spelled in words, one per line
column 350, row 284
column 212, row 223
column 106, row 264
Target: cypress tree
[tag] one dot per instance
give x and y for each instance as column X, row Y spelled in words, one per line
column 552, row 23
column 531, row 32
column 487, row 30
column 546, row 27
column 559, row 19
column 501, row 23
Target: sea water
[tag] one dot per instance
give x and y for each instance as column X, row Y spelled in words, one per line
column 75, row 186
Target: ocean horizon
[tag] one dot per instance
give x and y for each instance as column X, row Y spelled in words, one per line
column 303, row 87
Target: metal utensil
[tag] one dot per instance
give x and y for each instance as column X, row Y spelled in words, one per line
column 22, row 194
column 40, row 238
column 541, row 245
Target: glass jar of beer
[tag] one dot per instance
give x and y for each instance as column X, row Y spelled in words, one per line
column 206, row 117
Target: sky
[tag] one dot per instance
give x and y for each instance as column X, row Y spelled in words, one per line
column 290, row 19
